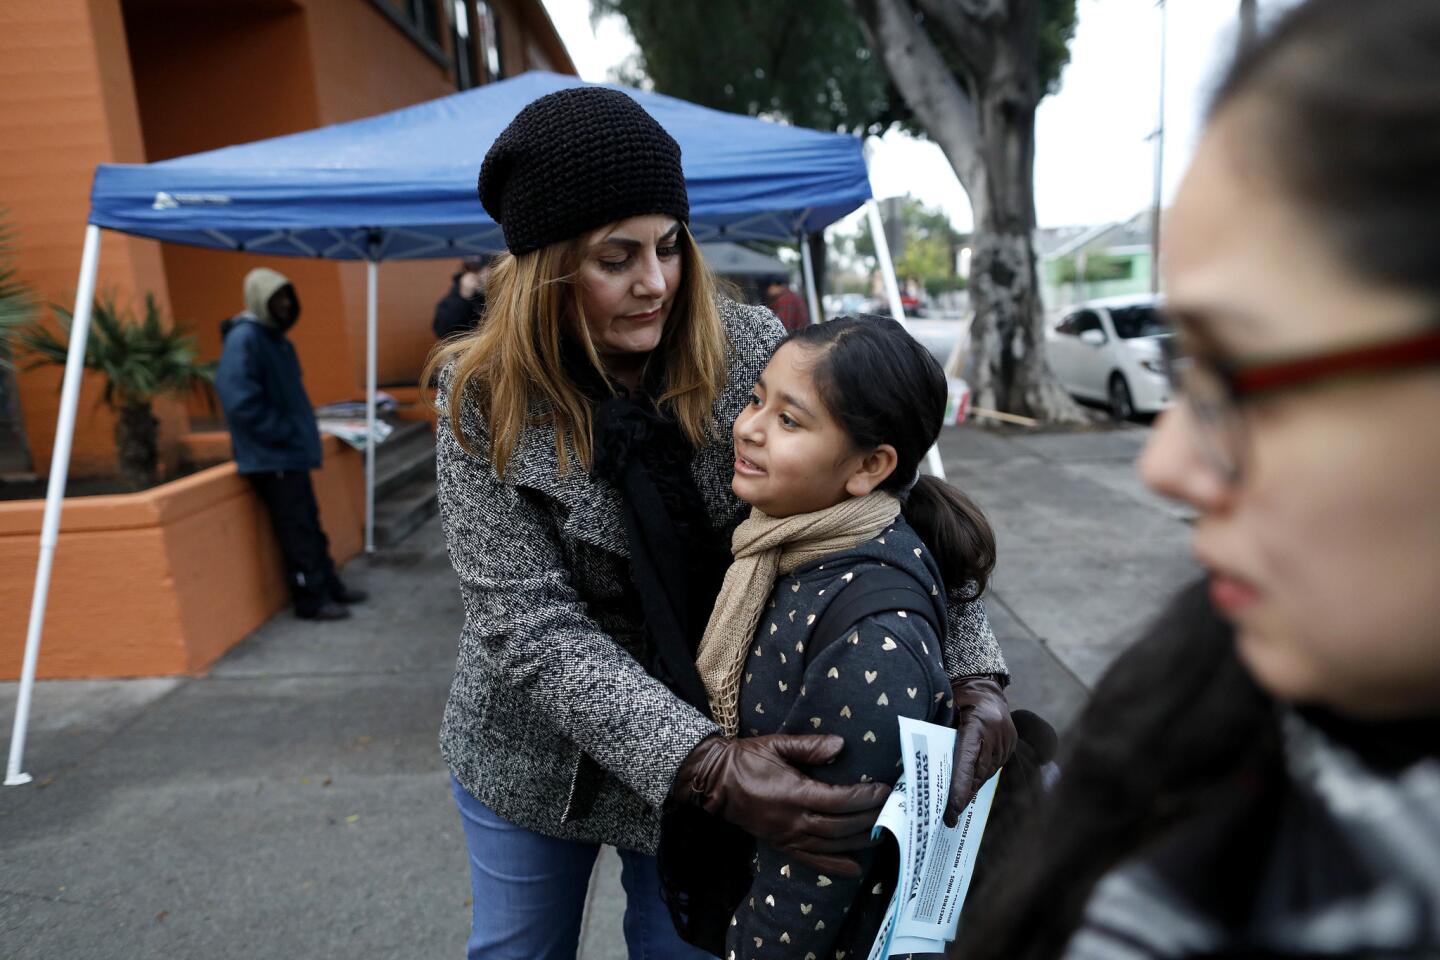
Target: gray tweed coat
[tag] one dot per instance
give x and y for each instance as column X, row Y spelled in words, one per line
column 552, row 722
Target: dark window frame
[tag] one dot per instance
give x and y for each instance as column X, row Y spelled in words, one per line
column 1089, row 320
column 432, row 24
column 1153, row 320
column 429, row 47
column 462, row 42
column 488, row 20
column 1071, row 325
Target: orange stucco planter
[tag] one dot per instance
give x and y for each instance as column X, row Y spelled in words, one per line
column 164, row 581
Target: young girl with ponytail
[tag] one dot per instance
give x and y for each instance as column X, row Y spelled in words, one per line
column 827, row 455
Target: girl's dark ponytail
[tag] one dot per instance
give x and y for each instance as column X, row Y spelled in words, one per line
column 884, row 387
column 957, row 533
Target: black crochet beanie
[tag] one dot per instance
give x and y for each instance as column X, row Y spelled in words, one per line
column 578, row 159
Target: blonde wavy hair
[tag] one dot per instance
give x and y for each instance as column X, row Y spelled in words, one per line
column 514, row 356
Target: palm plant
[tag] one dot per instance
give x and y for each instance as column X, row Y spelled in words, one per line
column 16, row 301
column 140, row 361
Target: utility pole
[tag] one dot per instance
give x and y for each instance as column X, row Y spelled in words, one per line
column 1159, row 138
column 1249, row 24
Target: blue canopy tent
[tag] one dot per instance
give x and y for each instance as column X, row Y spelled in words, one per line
column 402, row 185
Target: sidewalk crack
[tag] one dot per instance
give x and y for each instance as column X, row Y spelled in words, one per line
column 1043, row 642
column 41, row 896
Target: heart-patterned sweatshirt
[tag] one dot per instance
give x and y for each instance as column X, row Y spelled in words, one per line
column 884, row 667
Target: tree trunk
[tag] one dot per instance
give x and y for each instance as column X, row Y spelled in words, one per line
column 984, row 121
column 137, row 445
column 1009, row 369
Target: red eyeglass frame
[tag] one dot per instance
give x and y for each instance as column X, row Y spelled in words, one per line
column 1259, row 377
column 1248, row 380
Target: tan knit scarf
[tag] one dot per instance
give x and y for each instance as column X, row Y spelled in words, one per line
column 767, row 548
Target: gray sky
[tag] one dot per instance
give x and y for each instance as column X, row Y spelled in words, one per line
column 1093, row 162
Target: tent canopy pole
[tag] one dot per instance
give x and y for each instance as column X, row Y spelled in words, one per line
column 371, row 286
column 933, row 463
column 882, row 254
column 54, row 498
column 816, row 316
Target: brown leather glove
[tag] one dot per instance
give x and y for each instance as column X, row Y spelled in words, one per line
column 753, row 784
column 984, row 739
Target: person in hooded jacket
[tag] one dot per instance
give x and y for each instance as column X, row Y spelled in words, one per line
column 275, row 441
column 462, row 307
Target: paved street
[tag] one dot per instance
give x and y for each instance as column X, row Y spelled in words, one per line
column 292, row 802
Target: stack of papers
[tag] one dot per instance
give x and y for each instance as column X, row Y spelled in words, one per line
column 936, row 861
column 349, row 409
column 353, row 431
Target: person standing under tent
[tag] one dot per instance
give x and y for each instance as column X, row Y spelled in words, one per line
column 276, row 443
column 462, row 307
column 786, row 304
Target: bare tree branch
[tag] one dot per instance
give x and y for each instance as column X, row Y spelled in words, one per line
column 943, row 108
column 963, row 25
column 981, row 112
column 981, row 10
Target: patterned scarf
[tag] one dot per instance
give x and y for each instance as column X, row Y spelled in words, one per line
column 1351, row 870
column 765, row 549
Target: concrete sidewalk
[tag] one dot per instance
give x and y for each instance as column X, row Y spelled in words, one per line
column 1087, row 555
column 293, row 803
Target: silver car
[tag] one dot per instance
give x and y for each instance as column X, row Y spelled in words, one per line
column 1109, row 351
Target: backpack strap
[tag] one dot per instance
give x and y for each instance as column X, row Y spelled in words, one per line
column 875, row 591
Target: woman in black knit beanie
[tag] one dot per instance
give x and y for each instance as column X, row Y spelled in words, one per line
column 585, row 496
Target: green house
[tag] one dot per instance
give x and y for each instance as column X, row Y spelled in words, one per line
column 1077, row 264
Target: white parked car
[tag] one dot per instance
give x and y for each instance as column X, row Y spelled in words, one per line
column 1109, row 351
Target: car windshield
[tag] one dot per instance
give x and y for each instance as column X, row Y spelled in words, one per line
column 1133, row 322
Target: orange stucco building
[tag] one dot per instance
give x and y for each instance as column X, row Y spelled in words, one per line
column 84, row 82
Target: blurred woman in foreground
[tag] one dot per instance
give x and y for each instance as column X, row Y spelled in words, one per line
column 1261, row 775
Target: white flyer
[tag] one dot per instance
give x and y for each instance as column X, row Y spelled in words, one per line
column 936, row 861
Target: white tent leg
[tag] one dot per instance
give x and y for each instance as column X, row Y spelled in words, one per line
column 371, row 283
column 897, row 310
column 934, row 463
column 54, row 498
column 816, row 316
column 882, row 254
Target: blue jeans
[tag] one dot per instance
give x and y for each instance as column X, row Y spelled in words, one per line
column 529, row 893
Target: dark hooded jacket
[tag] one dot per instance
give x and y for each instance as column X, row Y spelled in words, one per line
column 455, row 314
column 272, row 425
